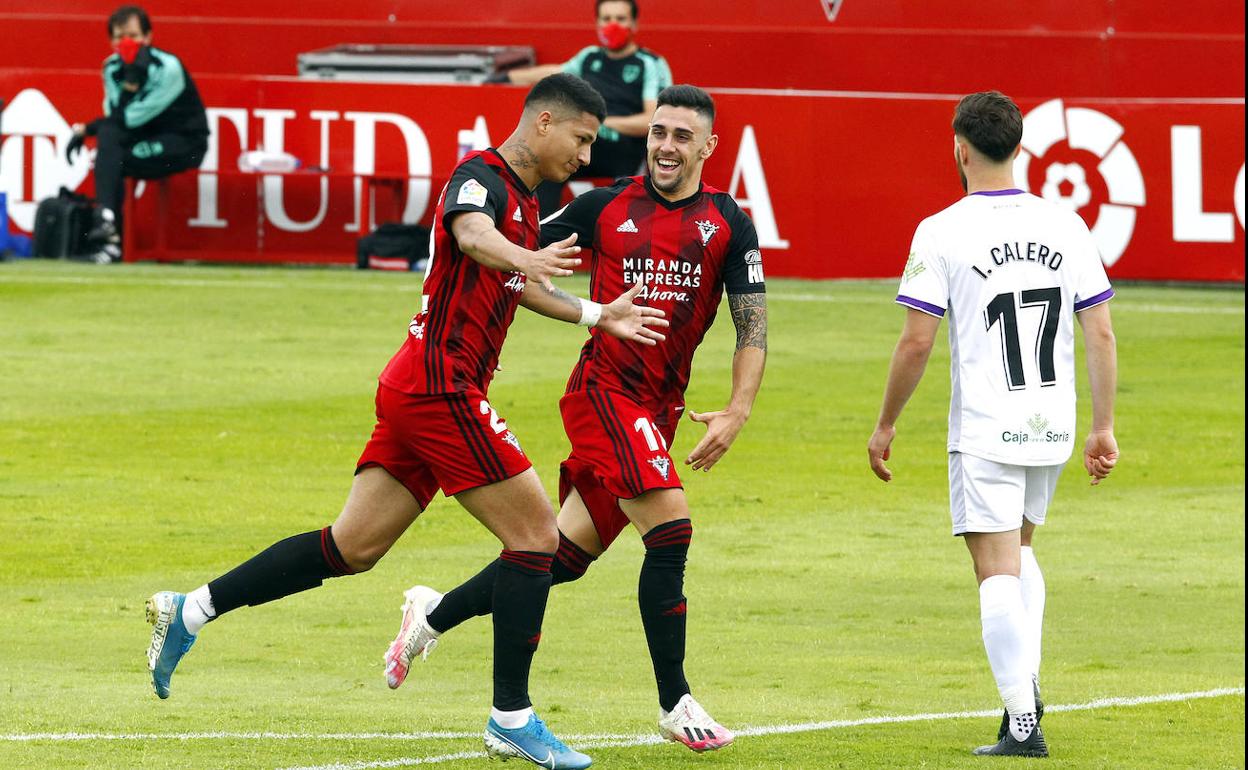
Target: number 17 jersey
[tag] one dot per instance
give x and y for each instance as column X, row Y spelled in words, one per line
column 1009, row 270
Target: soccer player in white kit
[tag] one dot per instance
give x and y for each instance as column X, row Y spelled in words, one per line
column 1012, row 272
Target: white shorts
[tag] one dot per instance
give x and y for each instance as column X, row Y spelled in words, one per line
column 988, row 496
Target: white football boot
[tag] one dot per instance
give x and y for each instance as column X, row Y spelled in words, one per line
column 689, row 724
column 415, row 635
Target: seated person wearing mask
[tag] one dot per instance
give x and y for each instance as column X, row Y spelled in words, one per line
column 628, row 77
column 154, row 122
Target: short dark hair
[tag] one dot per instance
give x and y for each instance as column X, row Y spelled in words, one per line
column 566, row 92
column 124, row 14
column 632, row 4
column 991, row 122
column 684, row 95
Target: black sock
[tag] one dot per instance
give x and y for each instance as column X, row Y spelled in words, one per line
column 476, row 596
column 467, row 600
column 284, row 568
column 570, row 562
column 521, row 585
column 660, row 596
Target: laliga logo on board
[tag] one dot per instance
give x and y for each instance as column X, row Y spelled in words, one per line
column 32, row 155
column 1065, row 178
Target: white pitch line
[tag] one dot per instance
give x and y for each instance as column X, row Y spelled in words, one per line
column 413, row 286
column 241, row 736
column 606, row 740
column 1119, row 305
column 644, row 740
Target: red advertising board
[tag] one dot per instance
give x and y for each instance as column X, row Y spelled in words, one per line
column 1102, row 48
column 834, row 182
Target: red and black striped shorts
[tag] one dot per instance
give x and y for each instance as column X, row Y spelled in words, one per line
column 619, row 450
column 447, row 441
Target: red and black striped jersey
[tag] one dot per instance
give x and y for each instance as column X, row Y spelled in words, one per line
column 454, row 343
column 685, row 253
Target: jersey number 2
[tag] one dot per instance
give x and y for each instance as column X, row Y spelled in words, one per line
column 496, row 423
column 1003, row 310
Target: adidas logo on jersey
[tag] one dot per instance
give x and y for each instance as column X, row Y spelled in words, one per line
column 627, row 227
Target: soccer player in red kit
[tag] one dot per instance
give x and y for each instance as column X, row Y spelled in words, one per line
column 436, row 429
column 687, row 243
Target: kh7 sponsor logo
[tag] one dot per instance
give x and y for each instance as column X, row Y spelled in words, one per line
column 1079, row 158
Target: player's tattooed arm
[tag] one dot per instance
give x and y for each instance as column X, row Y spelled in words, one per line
column 551, row 302
column 620, row 318
column 749, row 315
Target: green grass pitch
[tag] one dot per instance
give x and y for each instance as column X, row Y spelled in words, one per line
column 160, row 424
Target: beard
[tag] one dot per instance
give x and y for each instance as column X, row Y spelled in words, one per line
column 667, row 187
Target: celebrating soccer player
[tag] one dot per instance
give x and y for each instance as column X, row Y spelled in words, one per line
column 1013, row 271
column 435, row 428
column 686, row 242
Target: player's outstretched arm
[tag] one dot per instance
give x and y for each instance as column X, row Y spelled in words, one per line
column 909, row 360
column 749, row 315
column 480, row 239
column 1100, row 451
column 620, row 318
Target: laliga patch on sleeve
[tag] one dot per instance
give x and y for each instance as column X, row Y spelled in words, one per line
column 472, row 193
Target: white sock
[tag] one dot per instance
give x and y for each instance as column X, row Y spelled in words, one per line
column 1005, row 640
column 1022, row 726
column 1032, row 581
column 510, row 720
column 197, row 610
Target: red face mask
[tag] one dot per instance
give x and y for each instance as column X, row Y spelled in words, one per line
column 128, row 49
column 614, row 36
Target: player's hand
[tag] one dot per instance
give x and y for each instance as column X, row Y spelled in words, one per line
column 75, row 145
column 878, row 450
column 1100, row 454
column 721, row 430
column 555, row 260
column 621, row 318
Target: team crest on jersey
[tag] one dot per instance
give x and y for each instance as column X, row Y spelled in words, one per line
column 471, row 193
column 417, row 328
column 707, row 228
column 517, row 217
column 662, row 465
column 514, row 442
column 630, row 72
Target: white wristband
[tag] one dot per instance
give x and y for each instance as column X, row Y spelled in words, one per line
column 590, row 313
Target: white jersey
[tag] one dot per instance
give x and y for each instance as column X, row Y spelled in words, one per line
column 1010, row 270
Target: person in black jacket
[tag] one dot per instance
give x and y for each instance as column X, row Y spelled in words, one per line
column 154, row 123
